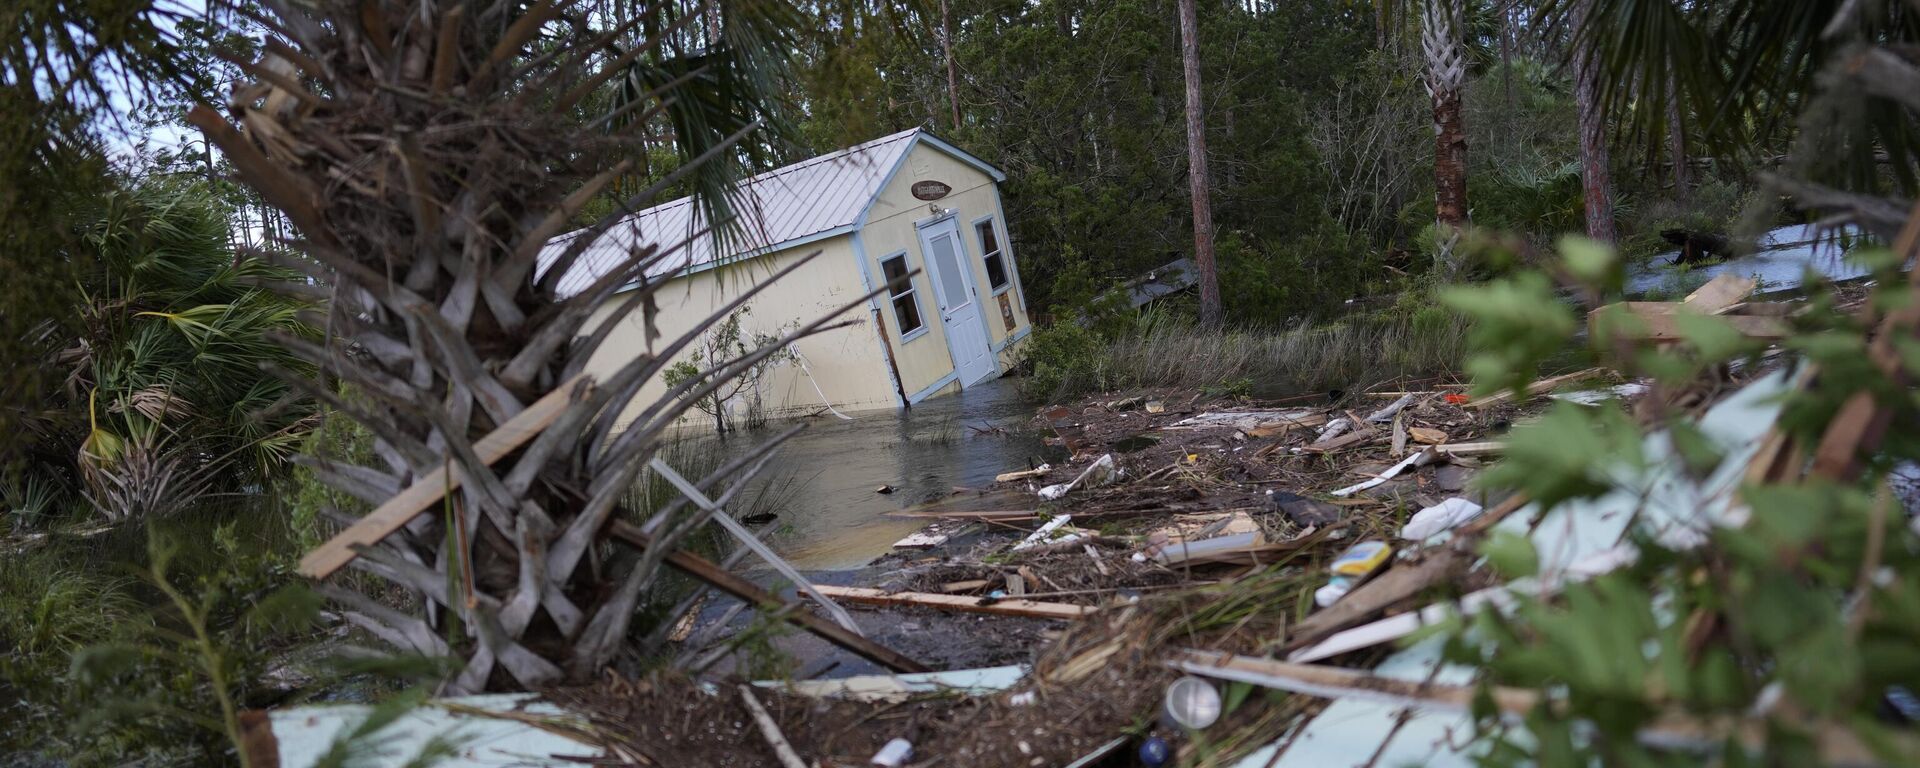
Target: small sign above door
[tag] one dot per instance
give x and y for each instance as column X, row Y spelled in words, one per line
column 930, row 190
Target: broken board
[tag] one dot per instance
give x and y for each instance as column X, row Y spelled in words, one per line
column 1028, row 608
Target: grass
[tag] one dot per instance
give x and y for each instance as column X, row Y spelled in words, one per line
column 1349, row 355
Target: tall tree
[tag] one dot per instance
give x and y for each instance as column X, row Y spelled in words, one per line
column 953, row 72
column 1443, row 23
column 1596, row 179
column 1198, row 180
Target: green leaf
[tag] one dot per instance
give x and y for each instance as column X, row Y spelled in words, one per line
column 1591, row 262
column 1511, row 555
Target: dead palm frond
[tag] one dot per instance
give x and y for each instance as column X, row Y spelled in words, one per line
column 427, row 152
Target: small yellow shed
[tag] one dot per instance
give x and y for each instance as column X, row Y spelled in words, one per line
column 876, row 212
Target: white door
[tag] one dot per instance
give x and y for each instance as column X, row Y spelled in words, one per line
column 959, row 304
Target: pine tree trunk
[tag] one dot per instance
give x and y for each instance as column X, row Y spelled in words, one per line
column 1197, row 177
column 1677, row 148
column 953, row 72
column 1596, row 181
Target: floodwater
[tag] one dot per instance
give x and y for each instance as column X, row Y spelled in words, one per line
column 823, row 481
column 1780, row 260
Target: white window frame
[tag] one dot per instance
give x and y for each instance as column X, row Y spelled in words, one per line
column 1006, row 255
column 912, row 294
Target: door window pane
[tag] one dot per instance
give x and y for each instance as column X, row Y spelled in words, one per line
column 953, row 289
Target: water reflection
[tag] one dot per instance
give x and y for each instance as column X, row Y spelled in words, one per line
column 1780, row 260
column 830, row 513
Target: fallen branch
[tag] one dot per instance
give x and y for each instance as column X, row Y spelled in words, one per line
column 770, row 730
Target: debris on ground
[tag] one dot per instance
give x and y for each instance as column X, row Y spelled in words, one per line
column 1184, row 540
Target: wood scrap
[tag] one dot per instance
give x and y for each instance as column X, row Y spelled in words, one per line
column 770, row 730
column 1666, row 327
column 1427, row 435
column 733, row 584
column 1010, row 607
column 335, row 553
column 1470, row 449
column 967, row 585
column 984, row 516
column 1244, row 420
column 1098, row 564
column 1008, row 477
column 1349, row 440
column 1399, row 436
column 1382, row 415
column 1537, row 388
column 1720, row 294
column 1397, row 584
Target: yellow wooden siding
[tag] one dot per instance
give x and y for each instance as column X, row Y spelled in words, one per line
column 846, row 362
column 890, row 229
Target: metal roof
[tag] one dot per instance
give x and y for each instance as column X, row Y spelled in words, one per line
column 810, row 200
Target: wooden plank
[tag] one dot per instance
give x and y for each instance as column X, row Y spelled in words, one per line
column 1539, row 387
column 732, row 584
column 1339, row 682
column 984, row 516
column 1667, row 327
column 1720, row 293
column 1028, row 608
column 1470, row 449
column 968, row 585
column 333, row 555
column 1348, row 440
column 1395, row 585
column 1008, row 477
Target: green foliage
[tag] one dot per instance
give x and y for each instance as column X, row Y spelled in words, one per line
column 1799, row 608
column 1059, row 358
column 160, row 361
column 111, row 641
column 1518, row 324
column 720, row 346
column 1081, row 103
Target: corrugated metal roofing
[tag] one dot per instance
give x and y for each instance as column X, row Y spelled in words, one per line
column 806, row 199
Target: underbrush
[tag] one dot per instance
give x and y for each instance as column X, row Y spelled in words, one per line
column 1161, row 352
column 127, row 645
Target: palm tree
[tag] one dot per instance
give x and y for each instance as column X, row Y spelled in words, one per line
column 1197, row 177
column 426, row 151
column 1442, row 24
column 1752, row 69
column 159, row 392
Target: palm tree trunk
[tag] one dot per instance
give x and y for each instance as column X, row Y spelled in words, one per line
column 1596, row 181
column 1197, row 177
column 1445, row 79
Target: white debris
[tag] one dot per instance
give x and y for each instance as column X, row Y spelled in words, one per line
column 1439, row 518
column 1100, row 473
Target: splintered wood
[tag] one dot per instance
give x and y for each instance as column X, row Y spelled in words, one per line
column 1662, row 321
column 1013, row 607
column 333, row 555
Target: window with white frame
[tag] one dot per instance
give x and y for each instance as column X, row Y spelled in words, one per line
column 906, row 308
column 990, row 252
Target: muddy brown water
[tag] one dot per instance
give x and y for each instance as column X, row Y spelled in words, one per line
column 824, row 479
